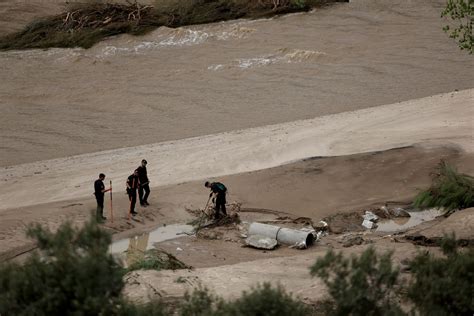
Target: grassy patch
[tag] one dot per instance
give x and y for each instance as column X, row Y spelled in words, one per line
column 83, row 25
column 449, row 189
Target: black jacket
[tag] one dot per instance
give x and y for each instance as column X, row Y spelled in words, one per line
column 218, row 188
column 99, row 187
column 142, row 175
column 133, row 182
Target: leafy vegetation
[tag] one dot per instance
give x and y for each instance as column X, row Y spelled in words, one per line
column 85, row 24
column 364, row 285
column 369, row 285
column 262, row 300
column 450, row 190
column 71, row 274
column 462, row 13
column 443, row 285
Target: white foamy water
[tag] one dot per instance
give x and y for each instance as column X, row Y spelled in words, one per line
column 284, row 56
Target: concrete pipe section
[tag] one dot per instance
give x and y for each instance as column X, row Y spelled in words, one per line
column 283, row 235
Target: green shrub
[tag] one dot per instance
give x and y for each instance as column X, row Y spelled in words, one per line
column 200, row 302
column 262, row 300
column 462, row 12
column 265, row 300
column 443, row 286
column 449, row 189
column 362, row 285
column 71, row 274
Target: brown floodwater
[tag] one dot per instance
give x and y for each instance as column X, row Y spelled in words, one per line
column 177, row 83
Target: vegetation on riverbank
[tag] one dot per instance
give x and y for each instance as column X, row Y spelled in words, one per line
column 461, row 14
column 85, row 24
column 369, row 284
column 74, row 274
column 450, row 190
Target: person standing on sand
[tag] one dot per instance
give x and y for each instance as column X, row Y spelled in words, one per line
column 144, row 184
column 133, row 182
column 219, row 191
column 99, row 190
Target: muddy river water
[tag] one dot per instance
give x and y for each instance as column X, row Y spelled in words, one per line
column 177, row 83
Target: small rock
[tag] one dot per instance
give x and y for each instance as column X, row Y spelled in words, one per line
column 179, row 249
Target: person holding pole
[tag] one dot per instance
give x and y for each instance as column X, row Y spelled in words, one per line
column 133, row 182
column 99, row 190
column 144, row 188
column 219, row 191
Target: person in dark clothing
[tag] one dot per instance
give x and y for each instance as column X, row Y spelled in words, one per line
column 144, row 188
column 219, row 190
column 133, row 183
column 99, row 190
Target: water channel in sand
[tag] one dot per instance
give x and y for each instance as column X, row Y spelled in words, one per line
column 132, row 249
column 403, row 223
column 177, row 83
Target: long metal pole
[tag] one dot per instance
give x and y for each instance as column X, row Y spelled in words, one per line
column 111, row 204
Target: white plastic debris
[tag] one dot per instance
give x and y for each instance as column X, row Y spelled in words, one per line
column 370, row 216
column 368, row 224
column 179, row 249
column 261, row 242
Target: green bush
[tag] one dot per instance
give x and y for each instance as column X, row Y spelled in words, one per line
column 71, row 274
column 265, row 300
column 443, row 286
column 449, row 189
column 200, row 302
column 364, row 285
column 262, row 300
column 462, row 12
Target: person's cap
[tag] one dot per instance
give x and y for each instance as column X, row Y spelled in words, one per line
column 144, row 161
column 206, row 184
column 101, row 175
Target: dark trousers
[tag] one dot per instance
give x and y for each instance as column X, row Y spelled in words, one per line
column 100, row 206
column 143, row 188
column 132, row 196
column 220, row 204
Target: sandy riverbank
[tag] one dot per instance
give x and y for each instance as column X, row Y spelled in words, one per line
column 49, row 192
column 442, row 119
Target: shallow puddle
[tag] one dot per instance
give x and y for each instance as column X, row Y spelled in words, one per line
column 143, row 242
column 402, row 223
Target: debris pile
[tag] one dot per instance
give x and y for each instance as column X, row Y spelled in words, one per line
column 100, row 15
